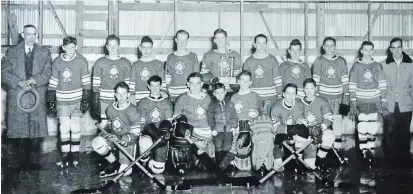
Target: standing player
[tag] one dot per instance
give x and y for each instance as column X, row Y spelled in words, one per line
column 294, row 70
column 247, row 109
column 155, row 108
column 194, row 105
column 318, row 117
column 266, row 77
column 285, row 113
column 179, row 65
column 123, row 127
column 331, row 75
column 217, row 62
column 107, row 72
column 70, row 86
column 368, row 90
column 143, row 69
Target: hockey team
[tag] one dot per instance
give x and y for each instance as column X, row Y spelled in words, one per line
column 242, row 128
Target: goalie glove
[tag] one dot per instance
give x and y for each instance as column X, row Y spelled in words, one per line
column 84, row 104
column 51, row 102
column 316, row 134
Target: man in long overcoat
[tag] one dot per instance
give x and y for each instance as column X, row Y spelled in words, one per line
column 25, row 67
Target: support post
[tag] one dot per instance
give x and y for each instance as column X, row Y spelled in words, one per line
column 320, row 26
column 176, row 26
column 79, row 22
column 113, row 17
column 270, row 33
column 306, row 31
column 13, row 29
column 57, row 19
column 242, row 31
column 369, row 21
column 7, row 17
column 40, row 25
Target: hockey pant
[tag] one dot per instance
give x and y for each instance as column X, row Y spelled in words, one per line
column 181, row 155
column 69, row 125
column 106, row 149
column 157, row 157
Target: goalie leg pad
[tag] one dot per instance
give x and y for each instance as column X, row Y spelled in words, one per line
column 65, row 133
column 262, row 151
column 181, row 155
column 157, row 163
column 76, row 134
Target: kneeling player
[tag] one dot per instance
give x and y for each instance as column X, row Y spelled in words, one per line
column 123, row 127
column 318, row 117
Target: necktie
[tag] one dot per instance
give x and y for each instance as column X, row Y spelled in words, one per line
column 29, row 54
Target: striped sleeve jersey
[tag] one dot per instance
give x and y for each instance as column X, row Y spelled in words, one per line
column 331, row 76
column 126, row 121
column 155, row 110
column 107, row 73
column 318, row 112
column 141, row 72
column 266, row 77
column 69, row 78
column 177, row 70
column 218, row 64
column 281, row 115
column 367, row 82
column 296, row 73
column 246, row 105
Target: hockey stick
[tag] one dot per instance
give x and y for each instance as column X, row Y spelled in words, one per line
column 342, row 161
column 211, row 166
column 318, row 176
column 292, row 156
column 113, row 181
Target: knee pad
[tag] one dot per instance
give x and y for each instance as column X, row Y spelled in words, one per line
column 144, row 143
column 64, row 128
column 328, row 138
column 100, row 145
column 156, row 167
column 75, row 125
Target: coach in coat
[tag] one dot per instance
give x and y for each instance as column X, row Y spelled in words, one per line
column 24, row 66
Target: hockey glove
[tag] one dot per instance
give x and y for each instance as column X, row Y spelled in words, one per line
column 300, row 130
column 165, row 127
column 96, row 104
column 280, row 138
column 51, row 102
column 84, row 104
column 316, row 134
column 344, row 109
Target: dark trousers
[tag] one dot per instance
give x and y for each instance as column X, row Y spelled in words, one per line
column 396, row 138
column 223, row 141
column 24, row 151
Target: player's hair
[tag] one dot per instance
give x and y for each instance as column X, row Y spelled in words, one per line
column 154, row 78
column 29, row 26
column 389, row 53
column 122, row 85
column 220, row 30
column 260, row 36
column 365, row 43
column 322, row 51
column 69, row 40
column 217, row 86
column 112, row 37
column 194, row 74
column 183, row 32
column 146, row 39
column 290, row 85
column 244, row 72
column 294, row 42
column 309, row 81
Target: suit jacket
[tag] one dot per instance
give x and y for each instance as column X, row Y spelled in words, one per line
column 21, row 124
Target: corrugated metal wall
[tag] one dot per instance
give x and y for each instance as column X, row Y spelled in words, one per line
column 134, row 23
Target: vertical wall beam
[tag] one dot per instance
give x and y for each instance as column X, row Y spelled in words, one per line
column 306, row 31
column 369, row 25
column 176, row 26
column 7, row 16
column 242, row 31
column 320, row 26
column 40, row 21
column 79, row 22
column 113, row 17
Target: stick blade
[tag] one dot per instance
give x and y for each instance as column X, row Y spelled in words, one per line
column 94, row 189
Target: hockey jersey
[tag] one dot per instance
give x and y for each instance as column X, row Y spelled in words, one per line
column 296, row 73
column 246, row 105
column 177, row 71
column 195, row 109
column 266, row 77
column 141, row 72
column 219, row 65
column 69, row 78
column 367, row 82
column 282, row 115
column 125, row 121
column 107, row 73
column 318, row 112
column 331, row 76
column 155, row 110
